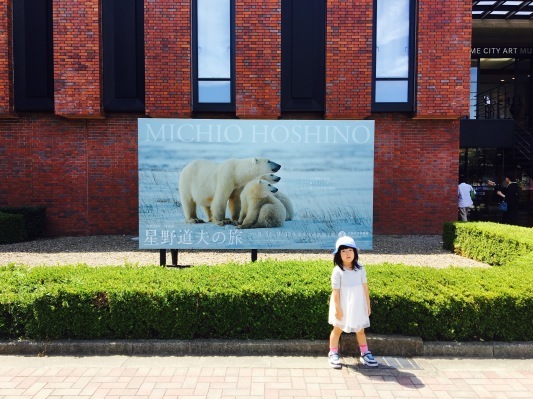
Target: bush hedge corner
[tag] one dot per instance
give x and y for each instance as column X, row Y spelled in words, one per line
column 12, row 228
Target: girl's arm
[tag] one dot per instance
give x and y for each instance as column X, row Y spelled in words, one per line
column 337, row 302
column 367, row 295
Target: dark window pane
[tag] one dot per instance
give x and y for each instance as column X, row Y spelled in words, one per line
column 123, row 55
column 303, row 76
column 33, row 55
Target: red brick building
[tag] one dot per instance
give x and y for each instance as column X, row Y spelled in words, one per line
column 75, row 76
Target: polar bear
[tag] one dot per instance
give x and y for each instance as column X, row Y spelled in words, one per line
column 259, row 207
column 286, row 203
column 209, row 185
column 234, row 203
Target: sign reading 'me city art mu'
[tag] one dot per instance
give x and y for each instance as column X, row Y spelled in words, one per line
column 501, row 51
column 254, row 184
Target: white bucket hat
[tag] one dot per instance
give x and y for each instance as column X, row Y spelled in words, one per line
column 347, row 242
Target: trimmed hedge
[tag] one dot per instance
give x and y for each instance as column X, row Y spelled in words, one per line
column 34, row 219
column 12, row 228
column 492, row 243
column 262, row 300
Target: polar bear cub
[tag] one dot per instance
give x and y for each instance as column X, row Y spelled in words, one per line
column 210, row 184
column 286, row 203
column 259, row 206
column 234, row 203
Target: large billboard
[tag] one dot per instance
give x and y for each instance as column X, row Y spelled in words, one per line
column 254, row 184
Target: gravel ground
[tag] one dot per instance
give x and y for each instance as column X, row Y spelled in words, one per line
column 419, row 250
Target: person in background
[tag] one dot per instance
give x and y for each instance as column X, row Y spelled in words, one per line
column 495, row 188
column 349, row 305
column 510, row 194
column 465, row 200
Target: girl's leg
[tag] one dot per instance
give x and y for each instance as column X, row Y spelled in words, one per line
column 361, row 337
column 361, row 340
column 334, row 337
column 366, row 356
column 333, row 355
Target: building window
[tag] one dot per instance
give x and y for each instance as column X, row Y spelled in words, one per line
column 393, row 73
column 303, row 72
column 33, row 55
column 213, row 55
column 473, row 88
column 123, row 55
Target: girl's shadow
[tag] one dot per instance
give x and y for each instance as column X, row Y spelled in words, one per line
column 394, row 369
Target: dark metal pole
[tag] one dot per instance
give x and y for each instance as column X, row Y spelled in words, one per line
column 174, row 256
column 162, row 257
column 254, row 255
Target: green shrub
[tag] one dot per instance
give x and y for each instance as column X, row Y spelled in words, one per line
column 454, row 303
column 12, row 228
column 262, row 300
column 449, row 235
column 34, row 218
column 492, row 243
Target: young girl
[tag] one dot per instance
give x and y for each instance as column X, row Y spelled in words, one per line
column 349, row 305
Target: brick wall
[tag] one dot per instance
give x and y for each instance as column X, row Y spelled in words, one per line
column 6, row 86
column 258, row 58
column 415, row 174
column 84, row 172
column 77, row 58
column 167, row 33
column 348, row 59
column 444, row 41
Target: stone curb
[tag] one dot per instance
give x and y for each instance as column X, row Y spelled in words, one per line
column 381, row 345
column 497, row 350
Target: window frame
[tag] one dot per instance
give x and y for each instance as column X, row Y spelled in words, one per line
column 317, row 102
column 111, row 100
column 212, row 107
column 23, row 101
column 409, row 105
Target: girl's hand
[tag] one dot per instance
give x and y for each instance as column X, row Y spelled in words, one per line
column 338, row 314
column 369, row 311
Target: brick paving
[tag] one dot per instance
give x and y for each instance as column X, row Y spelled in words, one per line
column 121, row 377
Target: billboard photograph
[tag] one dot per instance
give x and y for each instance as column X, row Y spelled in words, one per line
column 226, row 184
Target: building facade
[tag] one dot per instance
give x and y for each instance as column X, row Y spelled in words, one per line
column 75, row 76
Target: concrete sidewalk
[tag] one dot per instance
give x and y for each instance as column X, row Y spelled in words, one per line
column 408, row 368
column 151, row 377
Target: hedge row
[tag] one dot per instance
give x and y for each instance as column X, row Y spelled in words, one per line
column 263, row 300
column 21, row 223
column 12, row 228
column 492, row 243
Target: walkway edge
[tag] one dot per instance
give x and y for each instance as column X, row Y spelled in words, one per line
column 381, row 345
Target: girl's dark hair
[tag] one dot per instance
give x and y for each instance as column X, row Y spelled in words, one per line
column 337, row 260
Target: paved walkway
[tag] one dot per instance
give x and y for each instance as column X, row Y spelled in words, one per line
column 122, row 377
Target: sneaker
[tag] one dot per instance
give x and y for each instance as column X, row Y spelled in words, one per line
column 368, row 360
column 334, row 360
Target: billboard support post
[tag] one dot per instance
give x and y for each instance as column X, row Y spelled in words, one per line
column 174, row 257
column 254, row 255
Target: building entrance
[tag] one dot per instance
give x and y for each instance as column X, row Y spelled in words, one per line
column 497, row 139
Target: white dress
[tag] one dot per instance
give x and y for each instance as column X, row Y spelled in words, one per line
column 352, row 297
